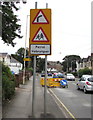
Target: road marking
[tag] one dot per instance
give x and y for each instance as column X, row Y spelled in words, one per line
column 87, row 104
column 62, row 105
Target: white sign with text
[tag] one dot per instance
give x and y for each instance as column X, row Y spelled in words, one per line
column 37, row 49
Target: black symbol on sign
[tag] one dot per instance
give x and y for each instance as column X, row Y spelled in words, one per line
column 38, row 18
column 40, row 36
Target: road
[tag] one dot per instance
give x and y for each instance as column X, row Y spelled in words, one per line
column 20, row 106
column 76, row 102
column 61, row 102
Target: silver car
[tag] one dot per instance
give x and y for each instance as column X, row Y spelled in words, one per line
column 85, row 83
column 70, row 77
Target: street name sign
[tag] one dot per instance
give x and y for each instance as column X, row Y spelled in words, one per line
column 40, row 32
column 27, row 59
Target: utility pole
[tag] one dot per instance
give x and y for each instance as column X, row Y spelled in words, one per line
column 24, row 2
column 67, row 64
column 25, row 51
column 71, row 66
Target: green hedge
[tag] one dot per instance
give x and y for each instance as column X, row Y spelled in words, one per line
column 75, row 74
column 8, row 83
column 84, row 72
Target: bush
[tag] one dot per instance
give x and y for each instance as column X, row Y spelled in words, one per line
column 75, row 74
column 84, row 71
column 8, row 83
column 30, row 69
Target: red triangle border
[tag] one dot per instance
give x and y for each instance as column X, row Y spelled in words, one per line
column 36, row 34
column 43, row 15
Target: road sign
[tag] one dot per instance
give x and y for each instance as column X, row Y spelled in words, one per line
column 40, row 30
column 27, row 59
column 40, row 49
column 40, row 18
column 40, row 36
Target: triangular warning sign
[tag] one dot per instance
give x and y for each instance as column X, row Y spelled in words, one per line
column 40, row 18
column 40, row 36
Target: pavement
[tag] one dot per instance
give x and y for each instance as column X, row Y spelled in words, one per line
column 20, row 106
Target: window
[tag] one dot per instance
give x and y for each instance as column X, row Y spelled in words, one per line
column 3, row 60
column 82, row 79
column 90, row 79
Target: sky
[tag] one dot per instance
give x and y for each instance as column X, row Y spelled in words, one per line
column 71, row 27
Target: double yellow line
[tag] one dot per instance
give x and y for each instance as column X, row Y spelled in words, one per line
column 62, row 104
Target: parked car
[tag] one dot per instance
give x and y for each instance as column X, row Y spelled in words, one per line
column 49, row 74
column 70, row 76
column 42, row 75
column 85, row 83
column 58, row 75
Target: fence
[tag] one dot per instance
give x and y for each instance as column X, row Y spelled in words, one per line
column 19, row 77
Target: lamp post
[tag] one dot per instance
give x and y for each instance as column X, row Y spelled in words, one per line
column 71, row 66
column 25, row 50
column 67, row 64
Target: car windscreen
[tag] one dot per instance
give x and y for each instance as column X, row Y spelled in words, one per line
column 58, row 76
column 69, row 74
column 42, row 75
column 49, row 74
column 90, row 79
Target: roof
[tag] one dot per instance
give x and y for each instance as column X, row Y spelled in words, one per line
column 3, row 54
column 12, row 60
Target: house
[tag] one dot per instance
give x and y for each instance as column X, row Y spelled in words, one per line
column 54, row 66
column 14, row 65
column 52, row 70
column 5, row 58
column 84, row 63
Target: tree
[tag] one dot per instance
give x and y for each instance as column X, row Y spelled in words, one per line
column 9, row 23
column 19, row 55
column 8, row 82
column 40, row 64
column 70, row 62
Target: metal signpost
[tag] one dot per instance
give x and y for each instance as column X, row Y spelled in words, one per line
column 40, row 42
column 92, row 36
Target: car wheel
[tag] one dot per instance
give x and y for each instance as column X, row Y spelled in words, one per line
column 85, row 91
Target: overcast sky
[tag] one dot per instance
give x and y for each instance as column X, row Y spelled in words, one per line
column 71, row 27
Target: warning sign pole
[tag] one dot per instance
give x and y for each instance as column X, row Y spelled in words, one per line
column 45, row 87
column 45, row 83
column 40, row 44
column 34, row 79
